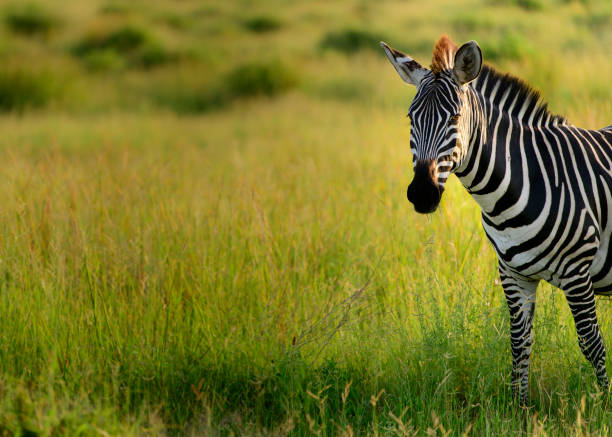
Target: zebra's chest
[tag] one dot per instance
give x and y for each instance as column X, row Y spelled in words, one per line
column 511, row 250
column 539, row 249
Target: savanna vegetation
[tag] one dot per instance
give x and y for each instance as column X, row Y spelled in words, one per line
column 205, row 230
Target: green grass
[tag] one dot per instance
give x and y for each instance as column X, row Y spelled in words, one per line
column 222, row 244
column 150, row 280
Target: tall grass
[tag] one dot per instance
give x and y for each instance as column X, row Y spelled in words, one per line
column 272, row 284
column 252, row 266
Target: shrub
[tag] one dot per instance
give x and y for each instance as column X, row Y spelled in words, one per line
column 136, row 46
column 529, row 5
column 349, row 41
column 123, row 40
column 152, row 55
column 104, row 60
column 259, row 79
column 183, row 95
column 189, row 99
column 262, row 24
column 30, row 19
column 508, row 46
column 22, row 89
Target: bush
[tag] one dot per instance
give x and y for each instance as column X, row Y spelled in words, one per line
column 136, row 46
column 508, row 46
column 259, row 79
column 349, row 41
column 30, row 19
column 152, row 55
column 188, row 99
column 22, row 89
column 183, row 95
column 262, row 24
column 122, row 40
column 104, row 60
column 529, row 5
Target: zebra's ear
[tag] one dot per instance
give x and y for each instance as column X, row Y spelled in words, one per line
column 468, row 62
column 408, row 69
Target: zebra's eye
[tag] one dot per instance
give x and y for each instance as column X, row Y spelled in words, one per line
column 454, row 118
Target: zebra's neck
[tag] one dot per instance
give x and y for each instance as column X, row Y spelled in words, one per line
column 505, row 112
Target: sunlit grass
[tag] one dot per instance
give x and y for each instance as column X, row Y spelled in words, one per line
column 257, row 269
column 282, row 279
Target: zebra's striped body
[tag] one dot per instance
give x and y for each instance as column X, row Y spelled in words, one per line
column 544, row 187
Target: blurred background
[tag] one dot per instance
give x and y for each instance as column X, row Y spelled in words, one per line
column 193, row 57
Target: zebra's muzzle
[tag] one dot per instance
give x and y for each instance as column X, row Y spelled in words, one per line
column 424, row 192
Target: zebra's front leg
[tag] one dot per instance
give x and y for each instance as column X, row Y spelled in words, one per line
column 521, row 298
column 581, row 299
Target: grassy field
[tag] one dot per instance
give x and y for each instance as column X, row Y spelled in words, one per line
column 205, row 228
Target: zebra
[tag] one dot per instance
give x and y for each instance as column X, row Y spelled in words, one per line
column 544, row 187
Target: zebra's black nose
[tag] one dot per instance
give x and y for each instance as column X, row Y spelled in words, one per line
column 424, row 192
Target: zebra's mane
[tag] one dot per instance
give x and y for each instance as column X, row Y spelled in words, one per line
column 443, row 55
column 536, row 110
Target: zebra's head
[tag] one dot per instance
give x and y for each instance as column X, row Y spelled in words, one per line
column 440, row 116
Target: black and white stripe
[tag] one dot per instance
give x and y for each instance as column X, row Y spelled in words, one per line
column 545, row 190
